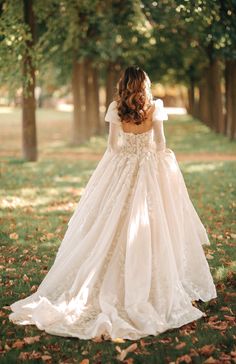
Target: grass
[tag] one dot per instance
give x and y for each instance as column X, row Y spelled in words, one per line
column 37, row 200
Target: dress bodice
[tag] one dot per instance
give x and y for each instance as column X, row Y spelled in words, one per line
column 137, row 143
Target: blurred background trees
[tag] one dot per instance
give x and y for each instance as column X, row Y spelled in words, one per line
column 75, row 51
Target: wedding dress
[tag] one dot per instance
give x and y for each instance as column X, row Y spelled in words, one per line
column 132, row 259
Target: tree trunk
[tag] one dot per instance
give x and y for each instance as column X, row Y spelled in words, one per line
column 79, row 127
column 96, row 101
column 89, row 99
column 204, row 112
column 215, row 97
column 29, row 137
column 230, row 89
column 191, row 98
column 113, row 71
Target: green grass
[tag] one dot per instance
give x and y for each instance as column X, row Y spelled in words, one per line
column 190, row 135
column 37, row 200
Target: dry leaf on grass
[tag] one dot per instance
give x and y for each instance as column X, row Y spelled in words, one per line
column 180, row 346
column 46, row 357
column 229, row 318
column 123, row 353
column 14, row 236
column 225, row 308
column 18, row 344
column 31, row 339
column 26, row 355
column 211, row 360
column 207, row 350
column 218, row 325
column 84, row 361
column 184, row 359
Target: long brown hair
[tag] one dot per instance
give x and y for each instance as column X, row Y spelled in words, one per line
column 133, row 91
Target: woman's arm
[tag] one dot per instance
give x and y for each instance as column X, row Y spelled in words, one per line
column 114, row 127
column 159, row 135
column 113, row 137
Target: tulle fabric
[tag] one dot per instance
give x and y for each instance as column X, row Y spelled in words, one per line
column 132, row 259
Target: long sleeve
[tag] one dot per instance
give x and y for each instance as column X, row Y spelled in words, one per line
column 114, row 127
column 159, row 115
column 159, row 136
column 113, row 137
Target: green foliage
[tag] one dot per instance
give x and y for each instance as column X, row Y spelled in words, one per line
column 189, row 34
column 14, row 35
column 172, row 40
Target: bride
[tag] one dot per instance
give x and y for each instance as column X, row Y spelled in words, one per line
column 131, row 261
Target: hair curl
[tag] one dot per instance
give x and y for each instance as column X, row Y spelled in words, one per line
column 133, row 90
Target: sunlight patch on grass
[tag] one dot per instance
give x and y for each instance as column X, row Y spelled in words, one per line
column 202, row 167
column 69, row 206
column 222, row 272
column 68, row 178
column 15, row 202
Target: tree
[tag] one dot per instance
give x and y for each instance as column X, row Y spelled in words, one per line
column 193, row 39
column 28, row 97
column 17, row 37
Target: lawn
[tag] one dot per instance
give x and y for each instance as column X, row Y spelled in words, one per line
column 37, row 200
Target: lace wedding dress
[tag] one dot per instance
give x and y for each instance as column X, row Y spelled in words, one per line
column 132, row 259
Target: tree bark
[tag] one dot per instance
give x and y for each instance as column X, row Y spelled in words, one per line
column 113, row 71
column 204, row 111
column 215, row 97
column 96, row 102
column 191, row 97
column 230, row 98
column 89, row 99
column 79, row 127
column 29, row 136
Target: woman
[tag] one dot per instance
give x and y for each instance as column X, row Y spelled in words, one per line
column 131, row 261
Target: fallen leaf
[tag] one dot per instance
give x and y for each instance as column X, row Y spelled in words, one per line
column 229, row 318
column 84, row 352
column 14, row 236
column 193, row 352
column 124, row 352
column 26, row 278
column 24, row 355
column 84, row 361
column 225, row 308
column 207, row 350
column 143, row 343
column 7, row 347
column 218, row 325
column 224, row 357
column 18, row 344
column 165, row 341
column 184, row 359
column 180, row 346
column 118, row 349
column 213, row 318
column 31, row 339
column 46, row 357
column 211, row 360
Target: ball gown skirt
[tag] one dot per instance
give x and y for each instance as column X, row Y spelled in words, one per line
column 131, row 260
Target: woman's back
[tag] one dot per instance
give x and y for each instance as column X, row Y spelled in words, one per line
column 131, row 127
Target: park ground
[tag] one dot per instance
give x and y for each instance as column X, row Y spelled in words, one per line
column 37, row 200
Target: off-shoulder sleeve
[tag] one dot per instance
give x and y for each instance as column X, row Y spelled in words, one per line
column 112, row 114
column 159, row 113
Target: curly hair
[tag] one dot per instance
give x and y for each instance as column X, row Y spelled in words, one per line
column 133, row 91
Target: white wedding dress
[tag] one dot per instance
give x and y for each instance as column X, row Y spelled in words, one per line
column 132, row 259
